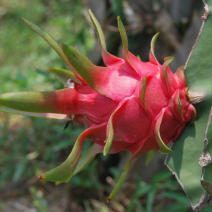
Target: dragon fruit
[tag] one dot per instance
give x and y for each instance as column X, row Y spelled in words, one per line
column 129, row 105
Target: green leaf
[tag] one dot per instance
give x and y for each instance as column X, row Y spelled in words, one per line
column 20, row 168
column 206, row 180
column 63, row 75
column 183, row 161
column 176, row 196
column 139, row 192
column 150, row 199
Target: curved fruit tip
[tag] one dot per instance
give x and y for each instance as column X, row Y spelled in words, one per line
column 152, row 57
column 63, row 75
column 163, row 148
column 164, row 71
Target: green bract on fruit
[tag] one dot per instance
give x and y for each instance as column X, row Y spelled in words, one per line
column 128, row 105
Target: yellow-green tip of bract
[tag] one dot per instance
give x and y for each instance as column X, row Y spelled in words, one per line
column 152, row 57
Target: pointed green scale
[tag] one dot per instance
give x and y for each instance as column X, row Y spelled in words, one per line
column 98, row 29
column 194, row 116
column 142, row 90
column 152, row 57
column 138, row 56
column 87, row 157
column 63, row 75
column 89, row 72
column 110, row 134
column 108, row 58
column 110, row 130
column 164, row 71
column 52, row 42
column 124, row 41
column 64, row 172
column 96, row 77
column 123, row 36
column 178, row 108
column 180, row 74
column 150, row 156
column 163, row 148
column 81, row 63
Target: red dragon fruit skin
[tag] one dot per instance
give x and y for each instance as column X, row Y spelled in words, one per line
column 129, row 105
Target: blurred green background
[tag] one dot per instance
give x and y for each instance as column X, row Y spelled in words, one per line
column 30, row 146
